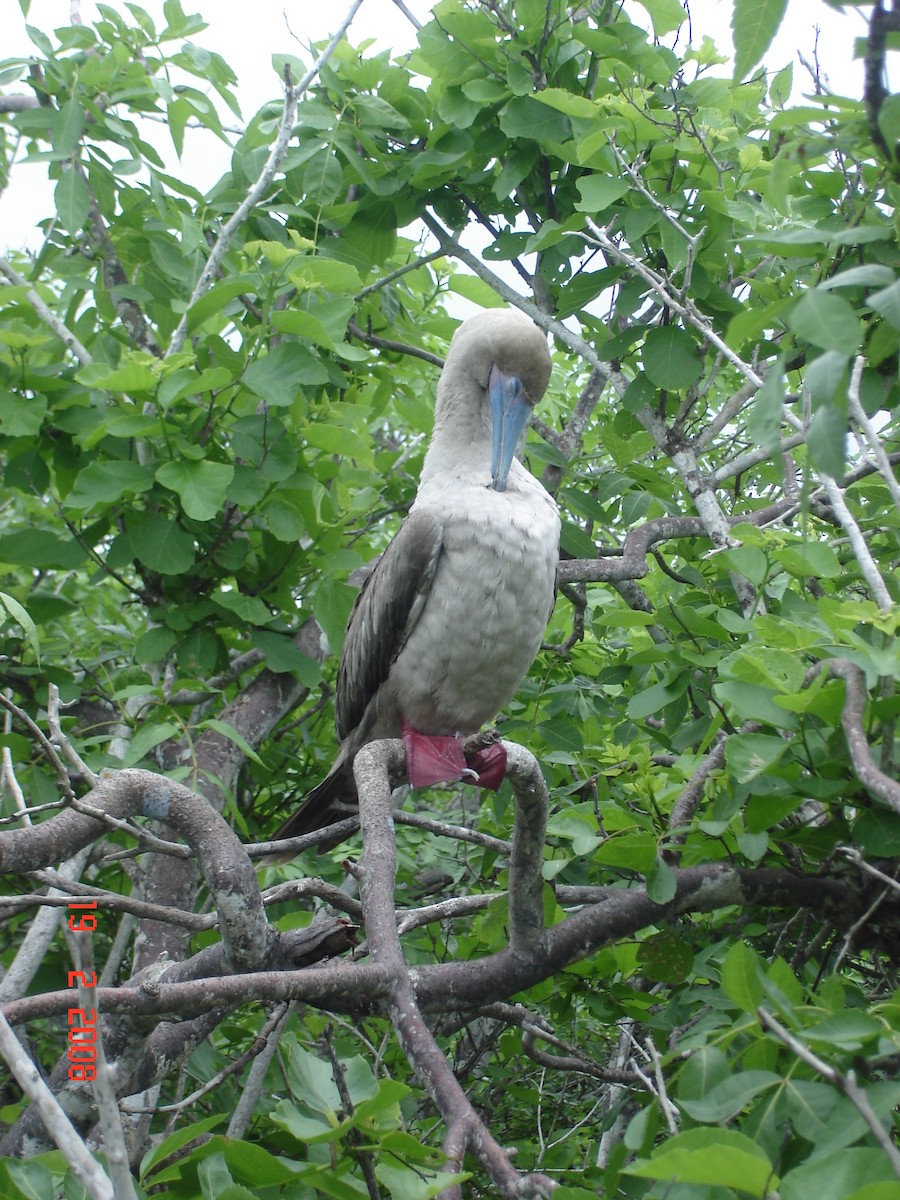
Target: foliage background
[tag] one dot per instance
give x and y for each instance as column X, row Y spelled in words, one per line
column 213, row 409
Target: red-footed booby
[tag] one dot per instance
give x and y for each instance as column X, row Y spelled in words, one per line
column 452, row 616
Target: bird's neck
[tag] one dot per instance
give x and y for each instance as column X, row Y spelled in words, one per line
column 460, row 445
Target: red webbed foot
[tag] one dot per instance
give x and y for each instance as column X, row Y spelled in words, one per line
column 440, row 759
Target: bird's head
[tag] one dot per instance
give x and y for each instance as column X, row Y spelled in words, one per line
column 507, row 355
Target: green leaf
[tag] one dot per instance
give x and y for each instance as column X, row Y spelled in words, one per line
column 214, row 302
column 665, row 957
column 666, row 15
column 671, row 358
column 598, row 192
column 887, row 302
column 146, row 738
column 134, row 374
column 889, row 120
column 837, row 1176
column 754, row 24
column 826, row 440
column 107, row 482
column 767, row 411
column 22, row 419
column 661, row 885
column 32, row 1179
column 161, row 544
column 41, row 549
column 720, row 1158
column 850, row 1030
column 878, row 833
column 811, row 558
column 283, row 656
column 568, row 102
column 332, row 605
column 316, row 272
column 154, row 645
column 730, row 1096
column 68, row 126
column 201, row 486
column 412, row 1183
column 742, row 977
column 525, row 117
column 827, row 321
column 749, row 754
column 651, row 700
column 73, row 203
column 17, row 613
column 868, row 275
column 232, row 735
column 249, row 609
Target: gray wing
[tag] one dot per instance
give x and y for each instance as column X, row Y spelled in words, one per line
column 385, row 612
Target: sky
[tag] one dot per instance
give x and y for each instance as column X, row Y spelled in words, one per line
column 287, row 26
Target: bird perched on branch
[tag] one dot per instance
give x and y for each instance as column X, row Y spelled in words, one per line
column 452, row 616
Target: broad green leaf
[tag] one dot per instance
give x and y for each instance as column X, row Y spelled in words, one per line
column 837, row 1176
column 68, row 126
column 16, row 612
column 332, row 605
column 707, row 1067
column 145, row 739
column 661, row 883
column 73, row 202
column 730, row 1096
column 161, row 544
column 754, row 24
column 767, row 411
column 525, row 117
column 568, row 102
column 412, row 1183
column 32, row 1179
column 133, row 375
column 213, row 303
column 314, row 1081
column 750, row 754
column 315, row 272
column 598, row 192
column 826, row 376
column 889, row 120
column 652, row 700
column 633, row 851
column 869, row 275
column 666, row 15
column 665, row 958
column 877, row 833
column 749, row 561
column 826, row 440
column 887, row 302
column 827, row 321
column 742, row 977
column 42, row 549
column 850, row 1030
column 107, row 482
column 282, row 655
column 154, row 645
column 201, row 486
column 810, row 558
column 715, row 1157
column 671, row 359
column 232, row 735
column 250, row 609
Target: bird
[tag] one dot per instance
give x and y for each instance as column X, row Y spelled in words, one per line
column 452, row 616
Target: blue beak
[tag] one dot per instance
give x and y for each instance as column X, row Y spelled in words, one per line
column 510, row 411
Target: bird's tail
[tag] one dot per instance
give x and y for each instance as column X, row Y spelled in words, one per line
column 334, row 799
